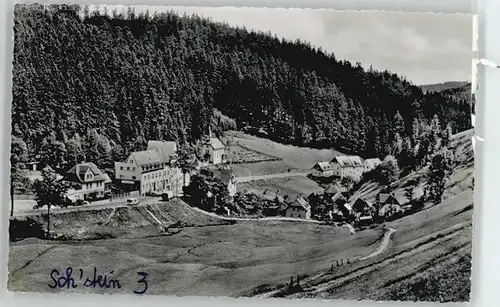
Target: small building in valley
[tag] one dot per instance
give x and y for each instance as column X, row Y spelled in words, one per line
column 213, row 150
column 362, row 207
column 322, row 169
column 299, row 208
column 87, row 182
column 348, row 167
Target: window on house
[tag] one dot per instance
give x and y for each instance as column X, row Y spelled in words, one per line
column 133, row 177
column 121, row 168
column 121, row 176
column 133, row 168
column 128, row 168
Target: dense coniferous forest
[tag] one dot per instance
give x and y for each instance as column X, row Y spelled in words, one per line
column 94, row 86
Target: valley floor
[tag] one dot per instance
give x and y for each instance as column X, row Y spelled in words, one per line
column 246, row 257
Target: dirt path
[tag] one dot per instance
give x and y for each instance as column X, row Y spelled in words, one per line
column 254, row 219
column 371, row 267
column 383, row 244
column 316, row 289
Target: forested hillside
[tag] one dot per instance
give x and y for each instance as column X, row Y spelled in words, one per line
column 438, row 87
column 98, row 85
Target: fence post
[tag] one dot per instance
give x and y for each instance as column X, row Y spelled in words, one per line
column 342, row 262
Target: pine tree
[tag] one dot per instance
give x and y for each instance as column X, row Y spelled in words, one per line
column 49, row 192
column 441, row 165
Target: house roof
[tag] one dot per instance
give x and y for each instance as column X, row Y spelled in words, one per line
column 334, row 188
column 147, row 157
column 383, row 197
column 324, row 166
column 300, row 202
column 77, row 173
column 360, row 204
column 338, row 196
column 352, row 161
column 372, row 163
column 215, row 143
column 166, row 149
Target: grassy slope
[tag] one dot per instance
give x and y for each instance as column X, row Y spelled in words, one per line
column 124, row 222
column 216, row 260
column 296, row 158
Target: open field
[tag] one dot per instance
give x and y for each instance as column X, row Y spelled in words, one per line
column 291, row 186
column 210, row 260
column 237, row 154
column 297, row 159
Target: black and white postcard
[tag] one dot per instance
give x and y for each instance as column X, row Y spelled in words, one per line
column 241, row 152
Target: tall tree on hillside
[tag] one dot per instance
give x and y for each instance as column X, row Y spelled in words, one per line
column 18, row 160
column 186, row 160
column 440, row 167
column 53, row 153
column 74, row 150
column 50, row 191
column 389, row 169
column 91, row 146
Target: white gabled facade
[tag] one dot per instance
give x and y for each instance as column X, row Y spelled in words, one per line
column 151, row 170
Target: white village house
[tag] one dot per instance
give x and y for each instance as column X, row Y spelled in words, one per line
column 322, row 169
column 299, row 208
column 87, row 182
column 151, row 170
column 348, row 167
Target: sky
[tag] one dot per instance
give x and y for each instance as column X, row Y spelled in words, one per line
column 426, row 48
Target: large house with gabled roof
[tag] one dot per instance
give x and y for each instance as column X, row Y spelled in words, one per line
column 87, row 182
column 322, row 169
column 299, row 208
column 151, row 170
column 348, row 167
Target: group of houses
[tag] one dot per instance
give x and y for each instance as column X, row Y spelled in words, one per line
column 149, row 172
column 352, row 209
column 360, row 210
column 351, row 167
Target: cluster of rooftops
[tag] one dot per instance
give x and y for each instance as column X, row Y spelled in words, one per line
column 349, row 161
